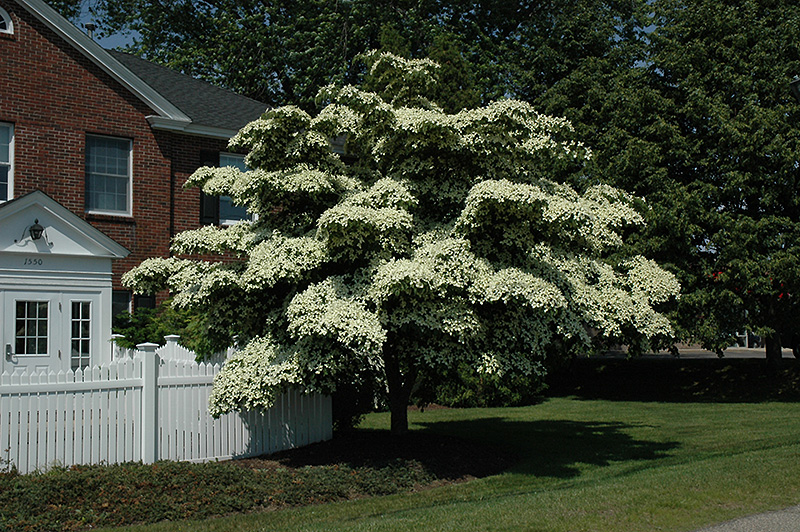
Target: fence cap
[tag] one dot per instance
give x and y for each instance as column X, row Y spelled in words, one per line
column 147, row 346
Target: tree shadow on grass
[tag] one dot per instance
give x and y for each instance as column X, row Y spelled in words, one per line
column 464, row 449
column 557, row 448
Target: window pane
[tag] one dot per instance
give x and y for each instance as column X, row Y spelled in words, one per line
column 232, row 159
column 42, row 346
column 120, row 302
column 81, row 332
column 42, row 310
column 5, row 143
column 6, row 134
column 3, row 183
column 20, row 309
column 228, row 212
column 107, row 174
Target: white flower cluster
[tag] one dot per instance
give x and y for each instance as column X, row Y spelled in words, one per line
column 513, row 284
column 531, row 213
column 253, row 377
column 327, row 310
column 604, row 299
column 351, row 230
column 282, row 259
column 238, row 238
column 654, row 283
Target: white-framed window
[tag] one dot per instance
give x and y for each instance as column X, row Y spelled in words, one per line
column 109, row 168
column 229, row 213
column 6, row 161
column 31, row 330
column 6, row 25
column 81, row 334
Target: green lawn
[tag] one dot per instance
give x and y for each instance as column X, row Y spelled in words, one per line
column 584, row 465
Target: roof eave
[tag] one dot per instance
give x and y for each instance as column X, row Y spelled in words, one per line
column 190, row 128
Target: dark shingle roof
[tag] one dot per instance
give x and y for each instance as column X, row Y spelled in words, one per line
column 205, row 104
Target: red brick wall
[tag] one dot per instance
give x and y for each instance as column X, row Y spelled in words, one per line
column 54, row 97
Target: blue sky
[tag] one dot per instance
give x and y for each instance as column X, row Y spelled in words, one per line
column 113, row 41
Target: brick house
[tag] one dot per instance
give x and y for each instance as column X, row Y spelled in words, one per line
column 110, row 137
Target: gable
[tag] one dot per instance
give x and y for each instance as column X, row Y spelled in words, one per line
column 65, row 234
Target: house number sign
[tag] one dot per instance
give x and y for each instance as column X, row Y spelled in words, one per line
column 32, row 262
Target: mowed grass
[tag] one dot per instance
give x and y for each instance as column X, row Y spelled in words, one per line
column 583, row 465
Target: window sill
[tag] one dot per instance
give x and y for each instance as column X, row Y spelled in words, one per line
column 106, row 217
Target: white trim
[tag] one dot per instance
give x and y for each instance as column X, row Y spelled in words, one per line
column 95, row 53
column 9, row 23
column 10, row 189
column 129, row 200
column 189, row 128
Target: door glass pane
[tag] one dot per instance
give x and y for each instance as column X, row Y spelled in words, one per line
column 31, row 328
column 81, row 334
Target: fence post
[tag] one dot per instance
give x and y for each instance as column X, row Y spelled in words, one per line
column 150, row 363
column 116, row 352
column 171, row 347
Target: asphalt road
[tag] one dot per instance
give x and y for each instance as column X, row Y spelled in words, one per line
column 787, row 520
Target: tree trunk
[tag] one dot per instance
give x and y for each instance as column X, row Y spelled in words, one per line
column 398, row 407
column 774, row 350
column 399, row 389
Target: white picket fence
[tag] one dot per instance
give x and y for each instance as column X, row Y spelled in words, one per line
column 151, row 405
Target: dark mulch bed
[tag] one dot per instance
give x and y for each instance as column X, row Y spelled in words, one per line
column 448, row 459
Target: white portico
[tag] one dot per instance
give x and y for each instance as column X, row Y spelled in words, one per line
column 55, row 287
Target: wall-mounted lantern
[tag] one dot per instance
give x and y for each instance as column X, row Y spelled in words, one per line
column 36, row 230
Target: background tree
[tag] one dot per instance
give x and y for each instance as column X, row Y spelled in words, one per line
column 703, row 126
column 443, row 242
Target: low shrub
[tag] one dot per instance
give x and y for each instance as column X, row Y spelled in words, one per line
column 84, row 497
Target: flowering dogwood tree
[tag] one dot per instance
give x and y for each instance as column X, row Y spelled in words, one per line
column 434, row 240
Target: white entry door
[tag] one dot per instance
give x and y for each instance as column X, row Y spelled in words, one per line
column 48, row 331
